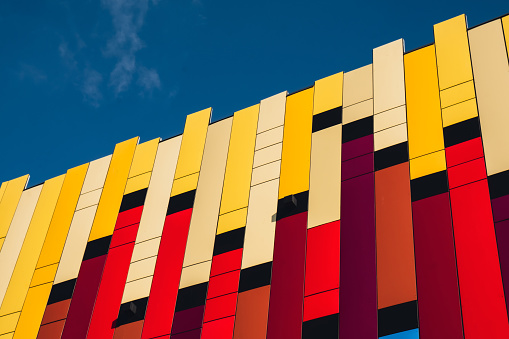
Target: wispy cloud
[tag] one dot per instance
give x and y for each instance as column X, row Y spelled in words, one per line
column 66, row 55
column 30, row 72
column 148, row 79
column 90, row 87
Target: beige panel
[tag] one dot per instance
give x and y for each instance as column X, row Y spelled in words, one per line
column 145, row 249
column 158, row 193
column 89, row 199
column 390, row 136
column 261, row 224
column 266, row 172
column 388, row 76
column 457, row 94
column 269, row 137
column 460, row 112
column 137, row 183
column 491, row 77
column 16, row 234
column 272, row 112
column 96, row 174
column 358, row 85
column 267, row 154
column 202, row 230
column 325, row 176
column 195, row 274
column 75, row 244
column 357, row 111
column 141, row 269
column 389, row 118
column 137, row 289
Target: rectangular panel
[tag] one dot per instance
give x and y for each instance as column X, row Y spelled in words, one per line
column 505, row 23
column 33, row 311
column 266, row 172
column 145, row 249
column 456, row 94
column 391, row 136
column 358, row 85
column 459, row 112
column 89, row 199
column 141, row 268
column 267, row 155
column 43, row 275
column 232, row 220
column 143, row 159
column 195, row 274
column 428, row 164
column 185, row 184
column 2, row 189
column 272, row 112
column 251, row 314
column 9, row 202
column 390, row 118
column 328, row 93
column 358, row 111
column 137, row 183
column 137, row 289
column 388, row 76
column 98, row 170
column 268, row 138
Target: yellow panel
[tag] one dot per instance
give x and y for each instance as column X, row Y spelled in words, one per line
column 137, row 183
column 61, row 221
column 2, row 190
column 391, row 136
column 269, row 138
column 491, row 70
column 1, row 242
column 457, row 94
column 33, row 311
column 272, row 112
column 389, row 118
column 296, row 144
column 9, row 202
column 158, row 193
column 232, row 220
column 202, row 229
column 267, row 155
column 185, row 184
column 505, row 24
column 44, row 274
column 96, row 174
column 8, row 322
column 145, row 249
column 193, row 142
column 141, row 269
column 113, row 190
column 424, row 116
column 427, row 164
column 388, row 76
column 452, row 52
column 328, row 93
column 89, row 199
column 195, row 274
column 239, row 165
column 358, row 85
column 7, row 336
column 266, row 172
column 358, row 111
column 459, row 112
column 325, row 176
column 32, row 246
column 144, row 156
column 137, row 289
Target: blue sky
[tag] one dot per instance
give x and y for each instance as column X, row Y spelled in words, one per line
column 80, row 76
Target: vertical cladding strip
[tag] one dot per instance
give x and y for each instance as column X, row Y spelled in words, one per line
column 358, row 301
column 491, row 78
column 87, row 283
column 321, row 286
column 44, row 275
column 109, row 295
column 137, row 288
column 288, row 267
column 10, row 193
column 396, row 283
column 27, row 260
column 437, row 281
column 163, row 293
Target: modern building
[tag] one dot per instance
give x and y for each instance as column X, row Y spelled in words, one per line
column 373, row 204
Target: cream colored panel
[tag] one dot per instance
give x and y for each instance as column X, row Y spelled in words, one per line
column 266, row 172
column 456, row 94
column 391, row 136
column 358, row 111
column 185, row 184
column 96, row 174
column 460, row 112
column 388, row 76
column 325, row 176
column 16, row 235
column 89, row 199
column 137, row 183
column 491, row 77
column 269, row 137
column 267, row 154
column 261, row 224
column 137, row 289
column 12, row 194
column 158, row 193
column 358, row 85
column 195, row 274
column 75, row 244
column 202, row 230
column 145, row 249
column 389, row 118
column 141, row 269
column 272, row 112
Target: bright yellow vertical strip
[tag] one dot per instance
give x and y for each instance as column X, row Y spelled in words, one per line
column 10, row 201
column 328, row 93
column 113, row 191
column 424, row 117
column 296, row 143
column 237, row 180
column 144, row 157
column 505, row 26
column 33, row 311
column 453, row 53
column 2, row 190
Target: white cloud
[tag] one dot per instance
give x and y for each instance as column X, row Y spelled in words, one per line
column 66, row 55
column 32, row 73
column 90, row 88
column 148, row 79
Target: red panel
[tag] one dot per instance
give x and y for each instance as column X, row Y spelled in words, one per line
column 129, row 217
column 322, row 258
column 124, row 235
column 482, row 294
column 163, row 293
column 321, row 304
column 219, row 329
column 226, row 262
column 110, row 292
column 466, row 173
column 51, row 330
column 220, row 307
column 463, row 152
column 223, row 284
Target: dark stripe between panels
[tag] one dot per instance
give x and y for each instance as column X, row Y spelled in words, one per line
column 192, row 296
column 255, row 276
column 397, row 318
column 327, row 119
column 391, row 156
column 229, row 241
column 292, row 204
column 133, row 200
column 132, row 311
column 429, row 185
column 462, row 131
column 357, row 129
column 61, row 291
column 181, row 202
column 96, row 248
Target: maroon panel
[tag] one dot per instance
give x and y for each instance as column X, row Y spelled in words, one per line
column 357, row 166
column 437, row 280
column 500, row 208
column 287, row 286
column 186, row 320
column 502, row 232
column 357, row 147
column 194, row 334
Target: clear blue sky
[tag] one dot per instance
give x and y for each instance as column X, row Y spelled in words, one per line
column 80, row 76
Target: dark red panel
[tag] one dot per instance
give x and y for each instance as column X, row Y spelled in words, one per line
column 502, row 232
column 321, row 304
column 466, row 173
column 194, row 334
column 463, row 152
column 220, row 307
column 222, row 328
column 357, row 147
column 56, row 311
column 287, row 285
column 357, row 166
column 226, row 262
column 51, row 330
column 129, row 217
column 223, row 284
column 187, row 320
column 500, row 208
column 124, row 235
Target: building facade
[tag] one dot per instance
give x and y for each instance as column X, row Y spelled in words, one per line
column 373, row 204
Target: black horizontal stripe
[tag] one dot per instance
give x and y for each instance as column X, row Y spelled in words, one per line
column 61, row 291
column 133, row 200
column 391, row 156
column 255, row 276
column 327, row 119
column 229, row 241
column 96, row 248
column 498, row 184
column 292, row 204
column 429, row 185
column 397, row 318
column 192, row 296
column 132, row 311
column 357, row 129
column 461, row 132
column 181, row 202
